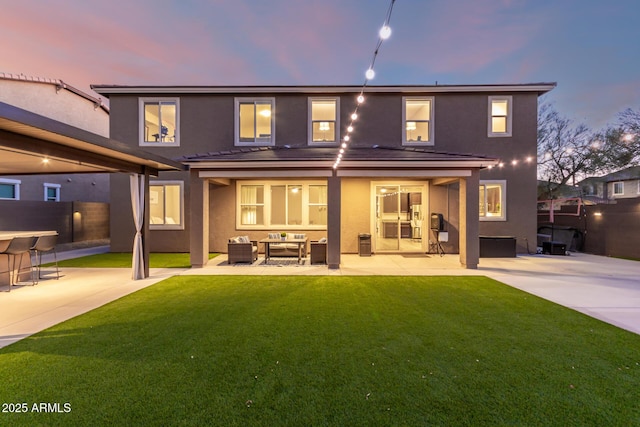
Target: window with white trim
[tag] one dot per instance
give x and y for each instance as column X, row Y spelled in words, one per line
column 166, row 205
column 618, row 188
column 500, row 116
column 417, row 119
column 159, row 122
column 287, row 205
column 51, row 192
column 324, row 121
column 9, row 189
column 255, row 121
column 493, row 197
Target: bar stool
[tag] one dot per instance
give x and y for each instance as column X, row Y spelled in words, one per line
column 4, row 244
column 18, row 247
column 45, row 244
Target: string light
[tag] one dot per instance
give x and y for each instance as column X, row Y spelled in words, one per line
column 383, row 34
column 370, row 74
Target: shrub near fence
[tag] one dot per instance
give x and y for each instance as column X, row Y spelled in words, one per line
column 74, row 221
column 607, row 229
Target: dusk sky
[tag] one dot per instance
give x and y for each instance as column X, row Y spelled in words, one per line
column 590, row 48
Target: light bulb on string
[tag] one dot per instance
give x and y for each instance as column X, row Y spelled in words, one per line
column 385, row 32
column 370, row 74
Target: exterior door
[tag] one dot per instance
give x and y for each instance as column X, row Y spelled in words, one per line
column 399, row 217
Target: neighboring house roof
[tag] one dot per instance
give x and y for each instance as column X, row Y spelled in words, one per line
column 27, row 138
column 106, row 90
column 59, row 85
column 319, row 157
column 632, row 172
column 57, row 100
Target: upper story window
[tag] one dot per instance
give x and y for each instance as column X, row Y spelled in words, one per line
column 500, row 115
column 159, row 119
column 9, row 189
column 166, row 206
column 417, row 117
column 51, row 192
column 255, row 121
column 618, row 188
column 324, row 120
column 493, row 196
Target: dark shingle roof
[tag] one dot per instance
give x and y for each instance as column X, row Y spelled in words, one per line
column 305, row 153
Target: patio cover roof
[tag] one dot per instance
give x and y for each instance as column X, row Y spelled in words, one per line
column 318, row 161
column 26, row 139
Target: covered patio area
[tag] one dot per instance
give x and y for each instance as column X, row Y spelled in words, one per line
column 34, row 144
column 387, row 192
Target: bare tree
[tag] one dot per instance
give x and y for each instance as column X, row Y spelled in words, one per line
column 569, row 152
column 566, row 151
column 620, row 144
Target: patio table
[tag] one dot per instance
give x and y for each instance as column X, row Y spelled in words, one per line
column 268, row 242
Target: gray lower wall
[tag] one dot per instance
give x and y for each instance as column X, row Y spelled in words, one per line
column 607, row 229
column 74, row 221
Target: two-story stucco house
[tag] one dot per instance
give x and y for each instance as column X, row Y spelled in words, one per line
column 262, row 160
column 622, row 184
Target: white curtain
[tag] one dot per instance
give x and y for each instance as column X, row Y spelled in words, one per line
column 137, row 204
column 249, row 197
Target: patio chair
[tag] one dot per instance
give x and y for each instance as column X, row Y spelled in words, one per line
column 241, row 249
column 4, row 244
column 42, row 245
column 318, row 251
column 16, row 250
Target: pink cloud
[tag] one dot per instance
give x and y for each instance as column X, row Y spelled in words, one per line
column 468, row 37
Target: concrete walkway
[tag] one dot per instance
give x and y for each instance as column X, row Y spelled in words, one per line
column 604, row 288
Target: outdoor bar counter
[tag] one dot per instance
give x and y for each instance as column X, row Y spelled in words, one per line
column 5, row 265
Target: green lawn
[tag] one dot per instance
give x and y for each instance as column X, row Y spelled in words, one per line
column 326, row 350
column 123, row 260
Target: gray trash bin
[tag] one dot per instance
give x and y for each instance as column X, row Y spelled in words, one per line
column 364, row 244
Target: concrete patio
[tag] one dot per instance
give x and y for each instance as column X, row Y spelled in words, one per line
column 605, row 288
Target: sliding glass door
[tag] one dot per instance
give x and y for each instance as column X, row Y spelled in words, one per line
column 399, row 217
